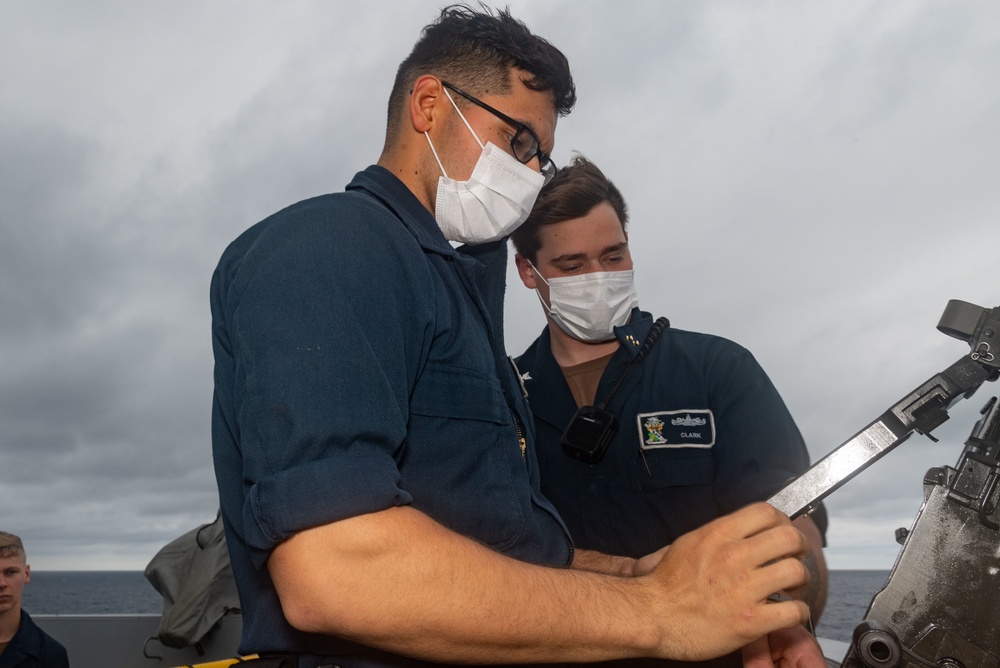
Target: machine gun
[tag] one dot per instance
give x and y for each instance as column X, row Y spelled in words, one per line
column 940, row 607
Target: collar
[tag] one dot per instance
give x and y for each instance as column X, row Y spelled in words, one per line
column 382, row 184
column 27, row 640
column 551, row 399
column 632, row 334
column 481, row 268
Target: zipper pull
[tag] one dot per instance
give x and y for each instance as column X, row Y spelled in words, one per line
column 520, row 439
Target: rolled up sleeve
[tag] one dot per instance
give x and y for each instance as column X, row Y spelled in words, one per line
column 315, row 494
column 321, row 374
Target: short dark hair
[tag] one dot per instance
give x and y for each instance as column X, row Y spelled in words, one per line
column 475, row 51
column 572, row 193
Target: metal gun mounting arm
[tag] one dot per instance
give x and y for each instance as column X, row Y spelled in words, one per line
column 922, row 410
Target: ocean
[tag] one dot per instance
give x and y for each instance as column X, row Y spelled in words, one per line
column 847, row 601
column 90, row 593
column 128, row 592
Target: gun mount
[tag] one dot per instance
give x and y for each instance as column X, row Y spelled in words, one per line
column 940, row 606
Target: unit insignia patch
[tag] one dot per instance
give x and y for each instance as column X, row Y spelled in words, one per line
column 693, row 428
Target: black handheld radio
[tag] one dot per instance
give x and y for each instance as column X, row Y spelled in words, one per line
column 590, row 431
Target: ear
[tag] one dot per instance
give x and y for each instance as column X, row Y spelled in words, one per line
column 425, row 101
column 525, row 271
column 27, row 573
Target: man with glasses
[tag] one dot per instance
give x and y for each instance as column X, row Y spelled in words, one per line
column 524, row 144
column 373, row 450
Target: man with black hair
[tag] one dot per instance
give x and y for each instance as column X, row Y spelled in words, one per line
column 643, row 432
column 374, row 454
column 22, row 643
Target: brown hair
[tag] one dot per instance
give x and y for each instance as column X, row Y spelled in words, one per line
column 572, row 193
column 10, row 545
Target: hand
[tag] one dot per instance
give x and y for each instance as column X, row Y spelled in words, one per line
column 793, row 647
column 710, row 588
column 645, row 565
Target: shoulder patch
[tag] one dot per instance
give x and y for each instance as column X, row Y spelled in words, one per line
column 686, row 428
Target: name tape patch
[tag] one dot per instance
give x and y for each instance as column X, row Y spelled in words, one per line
column 689, row 428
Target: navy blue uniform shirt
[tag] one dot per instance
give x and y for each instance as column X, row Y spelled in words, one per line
column 32, row 647
column 701, row 432
column 359, row 365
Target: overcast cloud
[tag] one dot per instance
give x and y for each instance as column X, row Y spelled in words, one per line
column 812, row 180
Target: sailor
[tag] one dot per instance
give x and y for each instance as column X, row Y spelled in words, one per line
column 694, row 427
column 374, row 455
column 22, row 643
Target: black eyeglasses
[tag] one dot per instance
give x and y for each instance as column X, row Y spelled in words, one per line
column 524, row 142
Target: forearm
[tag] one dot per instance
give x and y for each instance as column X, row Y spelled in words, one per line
column 402, row 582
column 598, row 562
column 397, row 580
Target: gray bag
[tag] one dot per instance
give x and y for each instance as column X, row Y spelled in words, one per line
column 193, row 575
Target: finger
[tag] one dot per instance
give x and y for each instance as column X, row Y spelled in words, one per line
column 645, row 565
column 812, row 659
column 793, row 647
column 773, row 544
column 808, row 654
column 781, row 615
column 781, row 575
column 757, row 654
column 749, row 521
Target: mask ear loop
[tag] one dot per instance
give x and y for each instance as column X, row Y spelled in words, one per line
column 474, row 136
column 462, row 116
column 440, row 166
column 547, row 307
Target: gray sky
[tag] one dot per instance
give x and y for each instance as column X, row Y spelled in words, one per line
column 812, row 180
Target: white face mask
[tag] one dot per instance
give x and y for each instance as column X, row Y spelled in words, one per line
column 589, row 306
column 493, row 202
